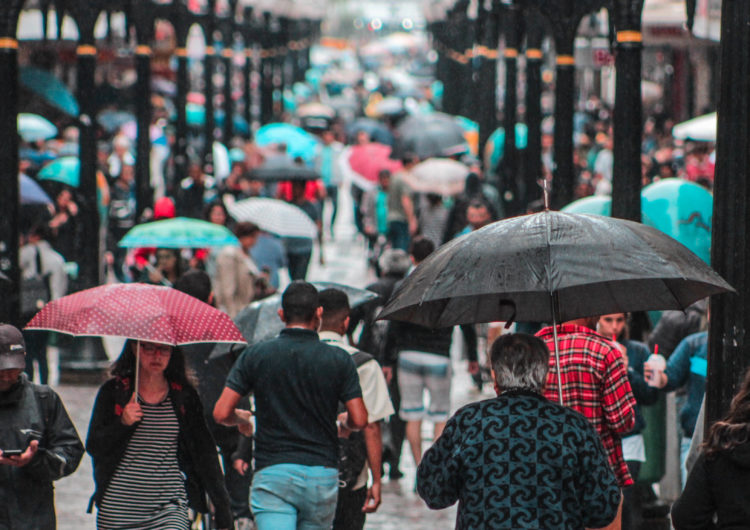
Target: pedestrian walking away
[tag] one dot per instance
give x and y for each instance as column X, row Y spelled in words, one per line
column 152, row 452
column 519, row 460
column 355, row 499
column 297, row 383
column 38, row 442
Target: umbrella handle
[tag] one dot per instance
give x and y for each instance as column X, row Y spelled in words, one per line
column 555, row 302
column 137, row 369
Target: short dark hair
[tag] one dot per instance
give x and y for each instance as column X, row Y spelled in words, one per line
column 299, row 302
column 245, row 229
column 420, row 248
column 196, row 283
column 520, row 360
column 335, row 304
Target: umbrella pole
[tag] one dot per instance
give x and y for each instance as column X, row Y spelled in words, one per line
column 557, row 349
column 137, row 368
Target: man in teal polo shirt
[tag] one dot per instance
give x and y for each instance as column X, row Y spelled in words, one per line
column 297, row 382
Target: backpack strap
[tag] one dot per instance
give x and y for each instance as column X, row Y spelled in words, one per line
column 361, row 358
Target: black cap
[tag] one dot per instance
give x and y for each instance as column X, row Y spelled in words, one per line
column 12, row 348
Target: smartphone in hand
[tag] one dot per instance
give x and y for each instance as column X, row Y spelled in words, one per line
column 12, row 452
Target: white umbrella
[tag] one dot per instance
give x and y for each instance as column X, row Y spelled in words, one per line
column 275, row 216
column 442, row 176
column 700, row 129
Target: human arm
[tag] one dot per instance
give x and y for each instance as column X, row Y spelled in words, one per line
column 438, row 474
column 227, row 413
column 355, row 417
column 617, row 396
column 677, row 372
column 408, row 204
column 637, row 354
column 242, row 455
column 107, row 434
column 695, row 508
column 470, row 336
column 374, row 444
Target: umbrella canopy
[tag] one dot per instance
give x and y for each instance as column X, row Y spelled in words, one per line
column 683, row 210
column 299, row 142
column 137, row 311
column 442, row 176
column 180, row 232
column 260, row 320
column 593, row 204
column 367, row 160
column 33, row 127
column 222, row 162
column 471, row 132
column 431, row 135
column 31, row 192
column 49, row 88
column 515, row 268
column 112, row 120
column 281, row 167
column 700, row 129
column 377, row 131
column 389, row 106
column 275, row 216
column 315, row 110
column 66, row 170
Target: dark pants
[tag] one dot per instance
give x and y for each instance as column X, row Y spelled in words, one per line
column 36, row 350
column 349, row 515
column 238, row 487
column 333, row 194
column 297, row 264
column 395, row 426
column 398, row 235
column 632, row 515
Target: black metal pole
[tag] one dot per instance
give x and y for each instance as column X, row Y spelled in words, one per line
column 533, row 154
column 10, row 198
column 626, row 180
column 247, row 31
column 509, row 189
column 729, row 348
column 208, row 87
column 266, row 71
column 88, row 258
column 563, row 180
column 227, row 56
column 487, row 96
column 182, row 23
column 143, row 192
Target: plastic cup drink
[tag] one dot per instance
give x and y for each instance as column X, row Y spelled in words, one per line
column 657, row 363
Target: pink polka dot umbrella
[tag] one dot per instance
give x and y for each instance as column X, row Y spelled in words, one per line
column 137, row 311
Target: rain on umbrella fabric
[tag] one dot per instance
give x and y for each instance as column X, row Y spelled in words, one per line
column 137, row 311
column 275, row 216
column 513, row 269
column 180, row 232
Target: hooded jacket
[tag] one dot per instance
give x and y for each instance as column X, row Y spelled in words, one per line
column 27, row 412
column 717, row 487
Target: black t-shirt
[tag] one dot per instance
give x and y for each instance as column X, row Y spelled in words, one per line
column 298, row 383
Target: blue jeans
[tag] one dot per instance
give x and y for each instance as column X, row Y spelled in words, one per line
column 293, row 496
column 398, row 235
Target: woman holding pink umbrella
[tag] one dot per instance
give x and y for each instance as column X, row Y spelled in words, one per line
column 152, row 452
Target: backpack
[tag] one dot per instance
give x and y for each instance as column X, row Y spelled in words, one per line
column 35, row 291
column 353, row 450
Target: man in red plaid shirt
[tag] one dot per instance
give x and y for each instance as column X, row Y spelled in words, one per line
column 595, row 383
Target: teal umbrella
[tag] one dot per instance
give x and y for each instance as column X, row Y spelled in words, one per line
column 495, row 146
column 33, row 127
column 49, row 88
column 180, row 232
column 298, row 141
column 683, row 210
column 195, row 115
column 66, row 170
column 595, row 204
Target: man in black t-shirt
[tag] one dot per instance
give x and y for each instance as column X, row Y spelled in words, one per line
column 297, row 382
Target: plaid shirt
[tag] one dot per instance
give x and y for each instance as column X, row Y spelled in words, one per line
column 595, row 383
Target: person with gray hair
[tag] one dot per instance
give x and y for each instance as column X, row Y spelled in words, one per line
column 519, row 460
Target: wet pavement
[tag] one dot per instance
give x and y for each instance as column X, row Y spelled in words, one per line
column 401, row 507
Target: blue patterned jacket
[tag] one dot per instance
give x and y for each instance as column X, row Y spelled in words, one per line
column 520, row 461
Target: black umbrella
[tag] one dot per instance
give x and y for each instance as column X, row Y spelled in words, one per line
column 431, row 135
column 552, row 267
column 282, row 167
column 260, row 320
column 377, row 131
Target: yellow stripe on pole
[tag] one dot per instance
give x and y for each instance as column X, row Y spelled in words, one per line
column 210, row 50
column 8, row 43
column 86, row 49
column 629, row 36
column 566, row 60
column 143, row 49
column 534, row 53
column 227, row 53
column 510, row 53
column 180, row 52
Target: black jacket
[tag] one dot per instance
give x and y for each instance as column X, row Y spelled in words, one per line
column 26, row 493
column 717, row 486
column 196, row 451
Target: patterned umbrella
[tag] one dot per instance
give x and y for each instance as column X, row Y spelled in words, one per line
column 275, row 216
column 137, row 311
column 180, row 232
